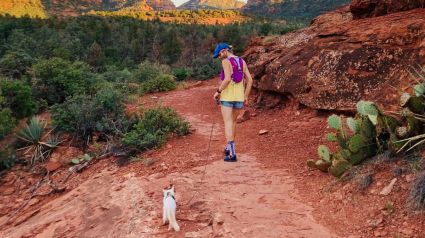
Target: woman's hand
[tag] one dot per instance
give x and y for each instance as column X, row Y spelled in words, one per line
column 246, row 101
column 216, row 95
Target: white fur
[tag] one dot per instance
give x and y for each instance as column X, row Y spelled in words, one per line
column 170, row 210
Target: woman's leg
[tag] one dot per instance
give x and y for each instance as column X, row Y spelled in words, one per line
column 227, row 113
column 235, row 115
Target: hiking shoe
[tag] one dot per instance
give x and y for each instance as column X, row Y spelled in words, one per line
column 230, row 159
column 226, row 152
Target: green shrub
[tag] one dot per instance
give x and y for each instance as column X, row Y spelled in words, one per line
column 146, row 71
column 206, row 68
column 7, row 158
column 155, row 127
column 180, row 74
column 59, row 79
column 83, row 114
column 15, row 64
column 159, row 84
column 113, row 74
column 7, row 122
column 17, row 97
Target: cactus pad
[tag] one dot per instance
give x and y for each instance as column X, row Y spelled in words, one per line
column 419, row 90
column 404, row 98
column 341, row 140
column 330, row 137
column 411, row 124
column 311, row 163
column 339, row 167
column 352, row 124
column 356, row 142
column 333, row 121
column 367, row 108
column 416, row 104
column 324, row 153
column 323, row 165
column 373, row 119
column 357, row 158
column 368, row 128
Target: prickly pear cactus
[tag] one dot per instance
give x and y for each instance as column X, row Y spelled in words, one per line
column 324, row 153
column 338, row 167
column 357, row 142
column 367, row 108
column 352, row 124
column 333, row 121
column 368, row 128
column 323, row 165
column 320, row 165
column 357, row 158
column 416, row 105
column 330, row 137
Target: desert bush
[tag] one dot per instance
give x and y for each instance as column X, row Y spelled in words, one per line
column 58, row 79
column 416, row 197
column 155, row 127
column 113, row 74
column 7, row 158
column 7, row 122
column 15, row 64
column 206, row 68
column 161, row 83
column 146, row 71
column 83, row 114
column 17, row 98
column 180, row 74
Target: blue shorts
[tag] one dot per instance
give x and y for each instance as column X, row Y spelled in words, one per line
column 237, row 105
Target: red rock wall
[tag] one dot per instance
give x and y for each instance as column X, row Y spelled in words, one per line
column 374, row 8
column 338, row 61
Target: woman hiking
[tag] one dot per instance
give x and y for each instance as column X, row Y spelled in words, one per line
column 236, row 83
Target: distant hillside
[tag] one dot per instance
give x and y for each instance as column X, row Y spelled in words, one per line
column 293, row 8
column 211, row 4
column 43, row 8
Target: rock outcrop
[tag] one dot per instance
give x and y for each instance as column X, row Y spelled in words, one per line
column 211, row 4
column 289, row 8
column 374, row 8
column 337, row 61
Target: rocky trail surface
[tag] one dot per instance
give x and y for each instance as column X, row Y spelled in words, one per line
column 269, row 192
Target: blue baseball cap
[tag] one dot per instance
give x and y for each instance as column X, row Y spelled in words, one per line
column 220, row 47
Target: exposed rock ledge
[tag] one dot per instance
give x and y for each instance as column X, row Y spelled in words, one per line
column 338, row 61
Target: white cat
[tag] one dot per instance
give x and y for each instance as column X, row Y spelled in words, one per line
column 170, row 209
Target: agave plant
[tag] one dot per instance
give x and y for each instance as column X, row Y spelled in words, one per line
column 33, row 135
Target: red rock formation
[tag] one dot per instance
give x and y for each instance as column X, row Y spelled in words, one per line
column 337, row 61
column 373, row 8
column 161, row 5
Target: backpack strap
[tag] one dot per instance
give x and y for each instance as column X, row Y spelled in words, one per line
column 235, row 64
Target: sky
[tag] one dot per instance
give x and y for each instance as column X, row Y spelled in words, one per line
column 180, row 2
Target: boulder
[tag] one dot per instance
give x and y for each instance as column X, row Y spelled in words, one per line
column 337, row 61
column 374, row 8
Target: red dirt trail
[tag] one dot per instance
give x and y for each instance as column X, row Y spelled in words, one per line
column 265, row 194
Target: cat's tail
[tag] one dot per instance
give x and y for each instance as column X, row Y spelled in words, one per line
column 172, row 219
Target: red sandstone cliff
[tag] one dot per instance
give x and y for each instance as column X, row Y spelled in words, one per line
column 337, row 61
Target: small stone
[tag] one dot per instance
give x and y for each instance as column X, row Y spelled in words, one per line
column 169, row 146
column 407, row 231
column 8, row 191
column 378, row 184
column 387, row 190
column 262, row 132
column 384, row 233
column 198, row 84
column 377, row 233
column 253, row 114
column 33, row 201
column 409, row 178
column 154, row 97
column 404, row 187
column 52, row 166
column 193, row 234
